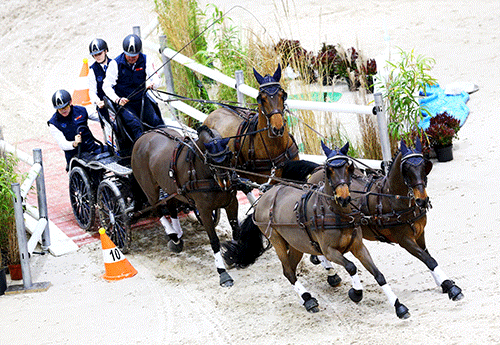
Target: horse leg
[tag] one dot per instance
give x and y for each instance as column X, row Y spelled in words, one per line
column 333, row 278
column 225, row 279
column 418, row 249
column 232, row 216
column 356, row 292
column 290, row 258
column 173, row 229
column 359, row 250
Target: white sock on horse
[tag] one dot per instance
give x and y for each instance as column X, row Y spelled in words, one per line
column 299, row 289
column 356, row 282
column 439, row 275
column 390, row 295
column 219, row 261
column 167, row 226
column 324, row 262
column 177, row 226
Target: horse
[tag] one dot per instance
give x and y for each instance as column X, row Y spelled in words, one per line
column 190, row 172
column 319, row 222
column 254, row 151
column 395, row 208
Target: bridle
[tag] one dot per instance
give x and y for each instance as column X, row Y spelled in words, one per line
column 418, row 182
column 337, row 161
column 272, row 89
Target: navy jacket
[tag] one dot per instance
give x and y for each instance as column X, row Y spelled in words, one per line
column 130, row 77
column 69, row 126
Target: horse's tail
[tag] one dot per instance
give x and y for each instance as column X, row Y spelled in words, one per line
column 248, row 248
column 298, row 170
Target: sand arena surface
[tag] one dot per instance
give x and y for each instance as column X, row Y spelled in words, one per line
column 175, row 299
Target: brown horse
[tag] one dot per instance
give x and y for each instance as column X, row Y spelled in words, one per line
column 184, row 169
column 318, row 222
column 395, row 208
column 260, row 142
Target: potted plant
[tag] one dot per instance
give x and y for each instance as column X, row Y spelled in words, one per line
column 442, row 130
column 408, row 75
column 8, row 231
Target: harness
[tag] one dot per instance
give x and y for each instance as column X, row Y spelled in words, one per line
column 320, row 219
column 248, row 128
column 379, row 221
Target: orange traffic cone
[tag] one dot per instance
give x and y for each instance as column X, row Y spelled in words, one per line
column 116, row 264
column 81, row 93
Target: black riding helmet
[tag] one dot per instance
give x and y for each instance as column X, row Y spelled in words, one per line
column 61, row 99
column 97, row 45
column 132, row 45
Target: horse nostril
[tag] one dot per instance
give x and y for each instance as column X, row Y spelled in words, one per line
column 422, row 202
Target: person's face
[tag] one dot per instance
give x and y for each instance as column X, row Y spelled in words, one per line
column 131, row 59
column 100, row 57
column 65, row 111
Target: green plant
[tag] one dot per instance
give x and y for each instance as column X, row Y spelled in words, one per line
column 8, row 232
column 407, row 77
column 442, row 129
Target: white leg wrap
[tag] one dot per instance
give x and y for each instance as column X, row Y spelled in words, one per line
column 167, row 226
column 356, row 283
column 219, row 261
column 324, row 262
column 390, row 295
column 299, row 289
column 439, row 275
column 177, row 226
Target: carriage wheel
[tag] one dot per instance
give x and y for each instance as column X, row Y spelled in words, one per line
column 82, row 198
column 112, row 212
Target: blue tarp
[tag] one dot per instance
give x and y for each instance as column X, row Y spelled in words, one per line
column 437, row 102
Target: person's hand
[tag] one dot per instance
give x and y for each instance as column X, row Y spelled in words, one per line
column 78, row 140
column 100, row 104
column 122, row 101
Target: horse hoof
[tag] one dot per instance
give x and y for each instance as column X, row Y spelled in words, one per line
column 355, row 295
column 334, row 280
column 226, row 280
column 401, row 311
column 454, row 292
column 311, row 305
column 175, row 247
column 314, row 259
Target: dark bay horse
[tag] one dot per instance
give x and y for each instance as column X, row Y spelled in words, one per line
column 260, row 142
column 319, row 222
column 184, row 169
column 395, row 208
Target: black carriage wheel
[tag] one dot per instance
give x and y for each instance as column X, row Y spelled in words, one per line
column 112, row 213
column 82, row 198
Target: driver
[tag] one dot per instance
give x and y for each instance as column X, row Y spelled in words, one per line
column 66, row 126
column 98, row 48
column 127, row 79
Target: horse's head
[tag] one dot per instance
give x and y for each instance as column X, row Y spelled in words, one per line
column 271, row 101
column 415, row 168
column 338, row 172
column 217, row 155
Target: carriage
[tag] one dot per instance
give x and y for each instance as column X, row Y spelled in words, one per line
column 101, row 186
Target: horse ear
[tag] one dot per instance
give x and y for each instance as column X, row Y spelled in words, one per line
column 277, row 74
column 428, row 167
column 345, row 149
column 258, row 77
column 325, row 148
column 418, row 145
column 403, row 147
column 224, row 141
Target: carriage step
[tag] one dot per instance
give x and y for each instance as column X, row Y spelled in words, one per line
column 111, row 166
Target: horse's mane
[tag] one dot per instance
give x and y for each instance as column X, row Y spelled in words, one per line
column 393, row 159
